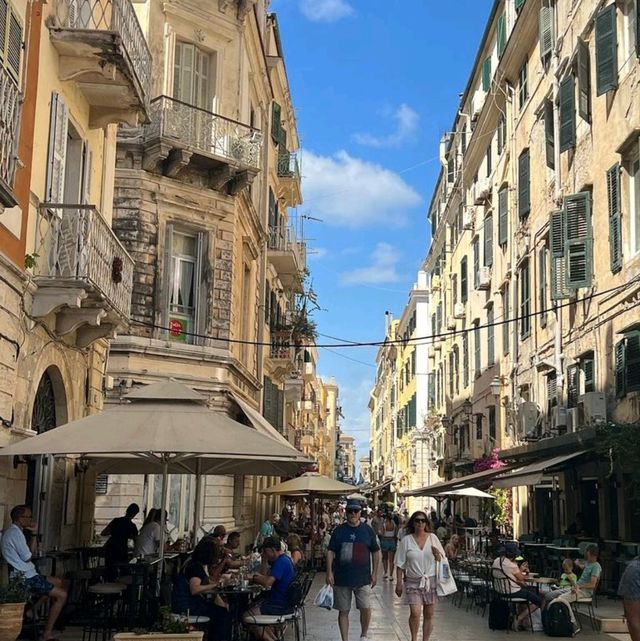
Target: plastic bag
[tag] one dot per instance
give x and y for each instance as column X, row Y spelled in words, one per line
column 324, row 598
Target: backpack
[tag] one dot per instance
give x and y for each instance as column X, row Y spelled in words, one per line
column 556, row 620
column 498, row 615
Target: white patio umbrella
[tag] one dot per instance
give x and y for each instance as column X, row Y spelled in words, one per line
column 471, row 492
column 165, row 427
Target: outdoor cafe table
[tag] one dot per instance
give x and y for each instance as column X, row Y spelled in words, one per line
column 541, row 581
column 239, row 599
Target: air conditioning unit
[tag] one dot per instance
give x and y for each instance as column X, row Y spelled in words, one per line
column 468, row 216
column 482, row 191
column 458, row 310
column 559, row 420
column 484, row 279
column 572, row 419
column 451, row 322
column 592, row 409
column 528, row 415
column 435, row 283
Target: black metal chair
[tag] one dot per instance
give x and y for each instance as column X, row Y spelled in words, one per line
column 502, row 589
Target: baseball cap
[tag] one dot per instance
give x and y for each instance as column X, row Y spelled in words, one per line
column 352, row 504
column 511, row 549
column 271, row 542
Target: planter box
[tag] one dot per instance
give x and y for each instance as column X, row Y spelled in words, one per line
column 158, row 636
column 10, row 620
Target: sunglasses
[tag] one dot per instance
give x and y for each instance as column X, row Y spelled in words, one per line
column 352, row 511
column 419, row 520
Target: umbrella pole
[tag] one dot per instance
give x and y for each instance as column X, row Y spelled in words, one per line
column 198, row 504
column 165, row 483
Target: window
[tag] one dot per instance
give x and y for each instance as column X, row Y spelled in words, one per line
column 465, row 359
column 273, row 404
column 524, row 186
column 10, row 39
column 506, row 326
column 549, row 134
column 476, row 263
column 488, row 160
column 486, row 74
column 584, row 80
column 634, row 205
column 525, row 302
column 464, row 290
column 567, row 113
column 523, row 91
column 192, row 75
column 488, row 241
column 552, row 391
column 479, row 430
column 572, row 385
column 503, row 216
column 492, row 423
column 463, row 139
column 491, row 357
column 502, row 134
column 439, row 317
column 580, row 378
column 547, row 38
column 606, row 50
column 501, row 34
column 477, row 347
column 542, row 285
column 615, row 224
column 454, row 289
column 276, row 122
column 627, row 364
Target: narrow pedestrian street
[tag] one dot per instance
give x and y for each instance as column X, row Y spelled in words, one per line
column 390, row 621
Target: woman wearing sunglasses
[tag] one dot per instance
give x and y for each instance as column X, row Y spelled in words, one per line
column 416, row 559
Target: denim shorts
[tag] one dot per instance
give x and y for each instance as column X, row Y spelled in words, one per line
column 39, row 585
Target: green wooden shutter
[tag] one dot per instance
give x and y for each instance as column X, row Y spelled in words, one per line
column 476, row 264
column 501, row 34
column 567, row 113
column 524, row 198
column 463, row 139
column 465, row 359
column 503, row 216
column 615, row 223
column 525, row 301
column 606, row 50
column 559, row 288
column 276, row 122
column 491, row 332
column 620, row 367
column 584, row 81
column 13, row 43
column 506, row 315
column 518, row 4
column 486, row 74
column 542, row 285
column 572, row 385
column 587, row 365
column 546, row 32
column 549, row 134
column 488, row 241
column 477, row 354
column 632, row 362
column 164, row 302
column 464, row 287
column 579, row 240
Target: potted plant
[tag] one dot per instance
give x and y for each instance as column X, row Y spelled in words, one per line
column 167, row 628
column 13, row 597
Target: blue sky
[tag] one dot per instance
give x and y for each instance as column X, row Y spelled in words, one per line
column 375, row 84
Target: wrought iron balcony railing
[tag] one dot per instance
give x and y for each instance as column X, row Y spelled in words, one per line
column 9, row 121
column 281, row 348
column 115, row 16
column 288, row 165
column 75, row 245
column 283, row 238
column 204, row 131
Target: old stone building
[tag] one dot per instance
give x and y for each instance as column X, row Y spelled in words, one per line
column 534, row 261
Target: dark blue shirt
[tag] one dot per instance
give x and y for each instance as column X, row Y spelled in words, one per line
column 352, row 547
column 282, row 571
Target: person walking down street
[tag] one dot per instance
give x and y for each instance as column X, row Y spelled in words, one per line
column 388, row 540
column 416, row 559
column 352, row 548
column 629, row 590
column 116, row 550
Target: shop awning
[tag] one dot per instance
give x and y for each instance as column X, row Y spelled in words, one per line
column 477, row 479
column 377, row 488
column 532, row 474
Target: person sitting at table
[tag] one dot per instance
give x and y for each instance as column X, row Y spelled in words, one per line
column 512, row 581
column 585, row 585
column 294, row 543
column 218, row 533
column 281, row 574
column 192, row 585
column 232, row 546
column 469, row 521
column 568, row 577
column 148, row 539
column 120, row 531
column 17, row 554
column 452, row 549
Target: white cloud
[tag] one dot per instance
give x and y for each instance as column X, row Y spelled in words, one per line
column 406, row 127
column 351, row 192
column 325, row 10
column 383, row 268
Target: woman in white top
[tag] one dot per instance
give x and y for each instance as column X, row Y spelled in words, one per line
column 148, row 539
column 416, row 560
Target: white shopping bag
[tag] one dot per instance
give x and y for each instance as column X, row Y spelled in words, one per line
column 445, row 583
column 324, row 598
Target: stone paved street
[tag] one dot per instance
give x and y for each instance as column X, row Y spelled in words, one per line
column 390, row 622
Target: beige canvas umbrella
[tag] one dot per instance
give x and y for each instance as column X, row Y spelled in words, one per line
column 470, row 492
column 311, row 483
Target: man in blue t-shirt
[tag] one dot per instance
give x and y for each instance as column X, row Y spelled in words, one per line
column 281, row 574
column 349, row 571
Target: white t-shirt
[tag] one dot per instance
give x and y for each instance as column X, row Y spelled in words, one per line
column 510, row 568
column 148, row 541
column 417, row 563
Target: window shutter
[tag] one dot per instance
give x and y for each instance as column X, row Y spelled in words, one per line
column 632, row 362
column 203, row 288
column 567, row 113
column 56, row 161
column 637, row 19
column 606, row 50
column 588, row 372
column 615, row 226
column 4, row 14
column 524, row 202
column 488, row 241
column 552, row 390
column 167, row 278
column 464, row 288
column 476, row 264
column 282, row 140
column 501, row 34
column 279, row 413
column 559, row 288
column 503, row 216
column 463, row 139
column 184, row 72
column 542, row 285
column 14, row 43
column 525, row 302
column 439, row 317
column 267, row 401
column 87, row 158
column 490, row 337
column 518, row 4
column 506, row 326
column 276, row 123
column 273, row 211
column 584, row 81
column 546, row 32
column 579, row 242
column 620, row 368
column 478, row 355
column 465, row 359
column 486, row 74
column 572, row 385
column 549, row 133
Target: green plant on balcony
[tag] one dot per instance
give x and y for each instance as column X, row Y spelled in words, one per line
column 304, row 329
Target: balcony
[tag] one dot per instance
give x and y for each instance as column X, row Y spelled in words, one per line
column 84, row 275
column 9, row 122
column 287, row 255
column 281, row 354
column 103, row 50
column 289, row 184
column 181, row 135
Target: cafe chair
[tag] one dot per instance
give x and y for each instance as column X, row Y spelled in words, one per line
column 279, row 623
column 502, row 591
column 590, row 603
column 105, row 608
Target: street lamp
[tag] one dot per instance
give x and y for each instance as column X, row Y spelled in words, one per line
column 496, row 385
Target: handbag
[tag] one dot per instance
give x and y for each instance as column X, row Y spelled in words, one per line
column 445, row 583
